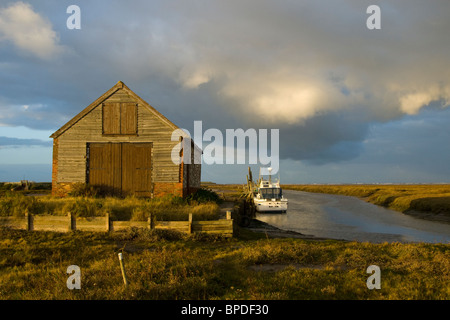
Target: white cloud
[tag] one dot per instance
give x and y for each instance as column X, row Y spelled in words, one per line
column 282, row 100
column 194, row 80
column 411, row 103
column 30, row 32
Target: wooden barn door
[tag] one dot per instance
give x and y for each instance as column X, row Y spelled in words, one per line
column 120, row 168
column 104, row 166
column 136, row 168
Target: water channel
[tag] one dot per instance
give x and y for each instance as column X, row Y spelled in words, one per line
column 349, row 218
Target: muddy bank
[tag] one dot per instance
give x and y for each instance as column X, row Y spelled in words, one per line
column 274, row 232
column 439, row 217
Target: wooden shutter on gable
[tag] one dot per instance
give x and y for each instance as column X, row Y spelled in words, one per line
column 128, row 116
column 119, row 118
column 111, row 118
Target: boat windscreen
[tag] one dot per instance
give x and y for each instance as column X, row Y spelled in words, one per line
column 270, row 193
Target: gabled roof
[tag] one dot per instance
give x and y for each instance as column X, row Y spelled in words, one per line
column 119, row 85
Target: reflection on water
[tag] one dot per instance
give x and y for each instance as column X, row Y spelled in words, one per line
column 348, row 218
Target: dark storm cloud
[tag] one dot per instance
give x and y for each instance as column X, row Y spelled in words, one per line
column 410, row 150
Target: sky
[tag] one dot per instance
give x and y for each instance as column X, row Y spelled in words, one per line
column 352, row 104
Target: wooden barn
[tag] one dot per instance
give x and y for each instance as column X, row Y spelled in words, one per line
column 123, row 145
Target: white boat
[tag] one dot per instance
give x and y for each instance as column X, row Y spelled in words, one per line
column 269, row 196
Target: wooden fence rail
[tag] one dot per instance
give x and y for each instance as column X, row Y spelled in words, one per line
column 105, row 224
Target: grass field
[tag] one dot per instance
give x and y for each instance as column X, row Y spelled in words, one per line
column 160, row 265
column 251, row 266
column 433, row 200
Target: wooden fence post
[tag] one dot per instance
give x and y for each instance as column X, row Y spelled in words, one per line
column 108, row 222
column 190, row 223
column 151, row 223
column 72, row 222
column 29, row 221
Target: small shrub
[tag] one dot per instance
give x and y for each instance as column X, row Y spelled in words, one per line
column 139, row 214
column 118, row 209
column 40, row 186
column 205, row 211
column 16, row 204
column 82, row 208
column 204, row 195
column 168, row 200
column 80, row 189
column 6, row 186
column 151, row 235
column 206, row 237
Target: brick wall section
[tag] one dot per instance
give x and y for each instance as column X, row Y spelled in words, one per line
column 61, row 189
column 192, row 183
column 190, row 174
column 162, row 188
column 195, row 172
column 55, row 166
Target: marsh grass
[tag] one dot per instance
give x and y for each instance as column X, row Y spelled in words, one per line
column 129, row 208
column 163, row 265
